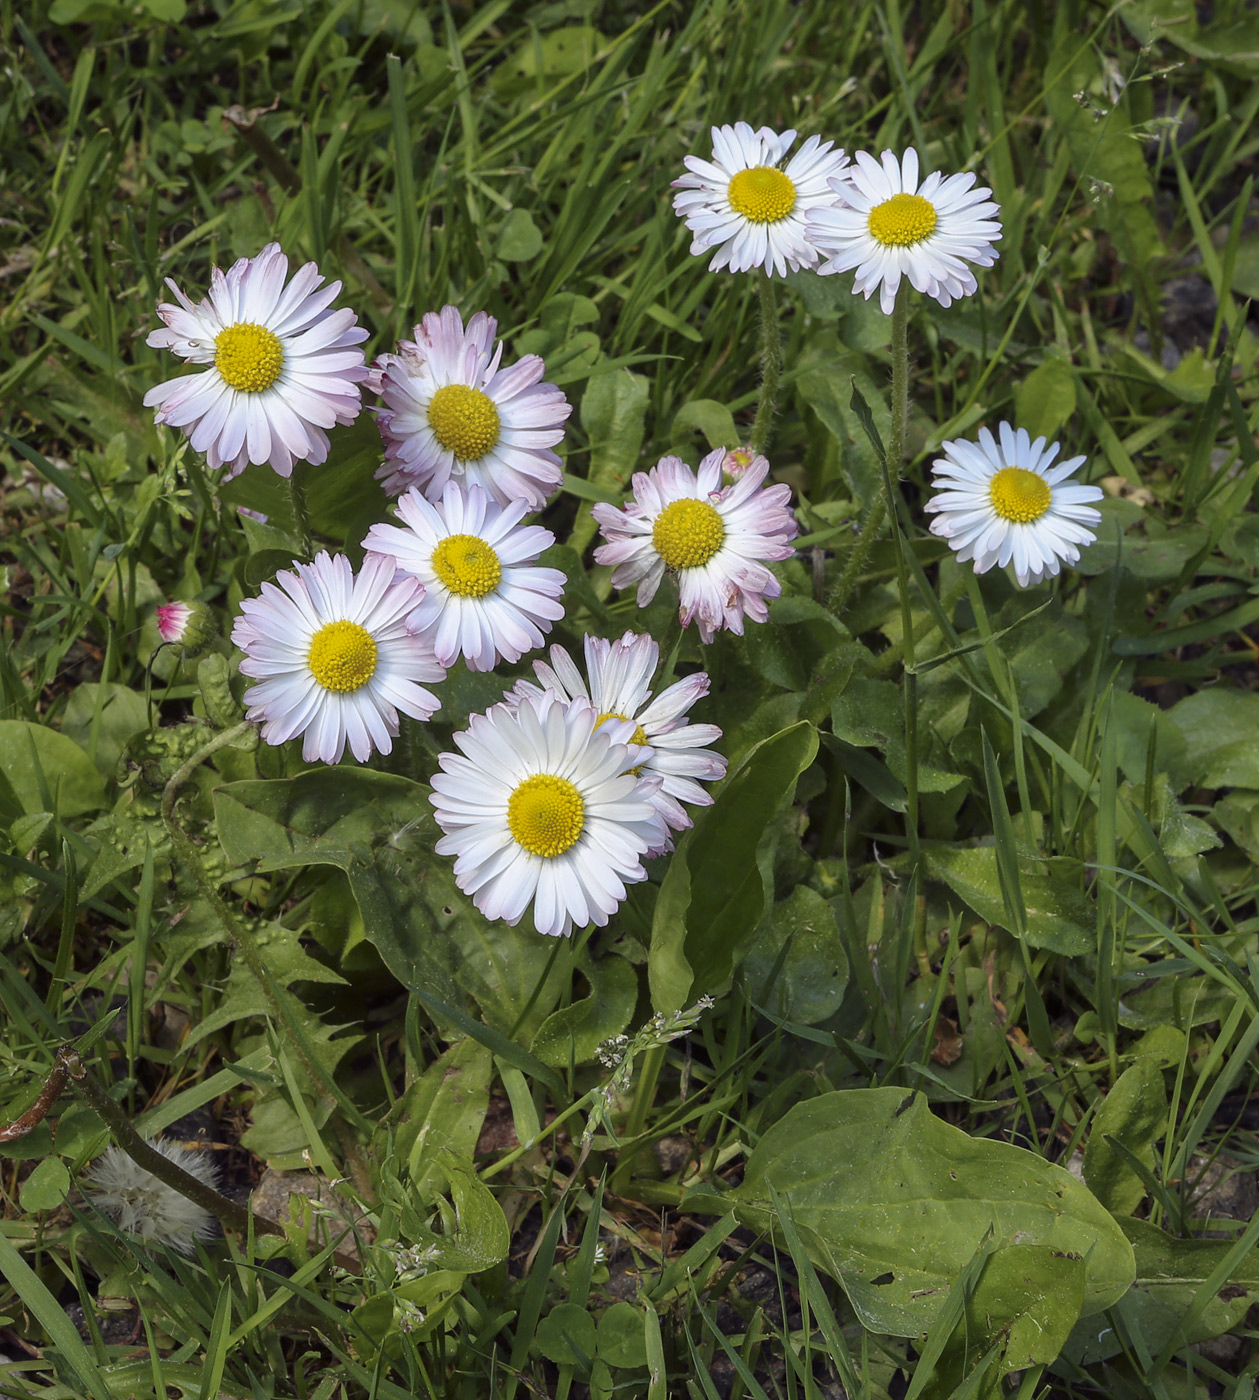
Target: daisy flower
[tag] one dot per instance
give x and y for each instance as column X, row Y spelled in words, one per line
column 137, row 1202
column 451, row 413
column 747, row 208
column 1007, row 503
column 888, row 226
column 280, row 367
column 333, row 658
column 619, row 688
column 191, row 626
column 483, row 595
column 541, row 804
column 711, row 537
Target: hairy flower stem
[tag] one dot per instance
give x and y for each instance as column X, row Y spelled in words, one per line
column 301, row 515
column 771, row 366
column 287, row 1017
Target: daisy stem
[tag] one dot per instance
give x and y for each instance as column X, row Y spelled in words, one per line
column 301, row 514
column 771, row 366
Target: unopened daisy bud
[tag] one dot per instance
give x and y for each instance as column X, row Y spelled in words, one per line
column 736, row 462
column 137, row 1202
column 191, row 626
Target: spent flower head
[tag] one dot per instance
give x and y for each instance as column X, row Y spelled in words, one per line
column 138, row 1203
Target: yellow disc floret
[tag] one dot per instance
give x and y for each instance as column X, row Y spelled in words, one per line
column 464, row 420
column 342, row 656
column 467, row 566
column 763, row 195
column 249, row 357
column 902, row 221
column 1019, row 495
column 545, row 815
column 687, row 533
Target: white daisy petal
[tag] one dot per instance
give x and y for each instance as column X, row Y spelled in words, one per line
column 278, row 367
column 747, row 209
column 710, row 536
column 483, row 596
column 332, row 657
column 450, row 413
column 924, row 231
column 1003, row 504
column 570, row 830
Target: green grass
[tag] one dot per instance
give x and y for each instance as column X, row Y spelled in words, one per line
column 1002, row 843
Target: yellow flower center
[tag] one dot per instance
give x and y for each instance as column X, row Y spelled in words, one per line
column 1019, row 495
column 639, row 735
column 342, row 656
column 546, row 815
column 687, row 533
column 763, row 195
column 249, row 357
column 902, row 221
column 464, row 421
column 467, row 566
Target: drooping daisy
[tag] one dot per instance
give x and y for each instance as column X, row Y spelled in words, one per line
column 712, row 537
column 748, row 208
column 619, row 688
column 888, row 226
column 1002, row 503
column 137, row 1202
column 450, row 413
column 333, row 658
column 541, row 804
column 485, row 597
column 280, row 366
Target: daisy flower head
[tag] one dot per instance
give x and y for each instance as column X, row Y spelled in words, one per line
column 333, row 659
column 888, row 225
column 451, row 413
column 191, row 626
column 749, row 209
column 278, row 366
column 712, row 537
column 618, row 685
column 1005, row 502
column 484, row 596
column 542, row 805
column 137, row 1202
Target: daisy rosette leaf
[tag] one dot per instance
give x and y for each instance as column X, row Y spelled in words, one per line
column 138, row 1203
column 887, row 225
column 452, row 412
column 542, row 805
column 279, row 366
column 618, row 684
column 748, row 208
column 713, row 538
column 484, row 596
column 332, row 657
column 1004, row 502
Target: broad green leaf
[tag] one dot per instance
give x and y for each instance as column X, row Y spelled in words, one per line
column 705, row 416
column 519, row 238
column 1046, row 398
column 1169, row 1273
column 566, row 1335
column 1134, row 1114
column 46, row 1187
column 47, row 771
column 713, row 893
column 1219, row 727
column 1026, row 1301
column 444, row 1109
column 1059, row 917
column 573, row 1034
column 622, row 1336
column 894, row 1202
column 542, row 58
column 379, row 829
column 799, row 947
column 870, row 714
column 100, row 718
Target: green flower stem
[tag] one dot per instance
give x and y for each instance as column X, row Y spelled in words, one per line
column 301, row 514
column 771, row 365
column 858, row 555
column 286, row 1016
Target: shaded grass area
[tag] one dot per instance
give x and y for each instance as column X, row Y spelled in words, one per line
column 1083, row 915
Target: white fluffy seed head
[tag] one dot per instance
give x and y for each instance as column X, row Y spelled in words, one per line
column 137, row 1202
